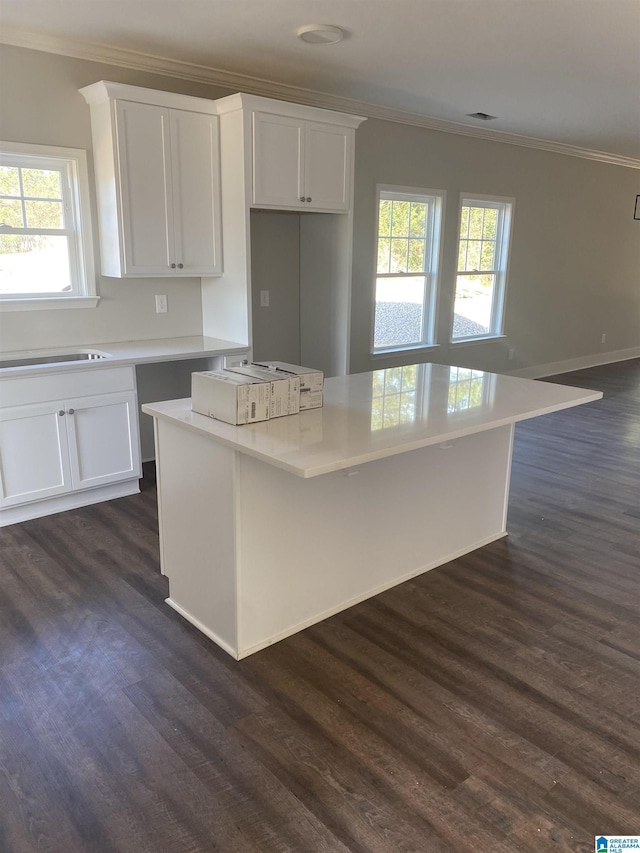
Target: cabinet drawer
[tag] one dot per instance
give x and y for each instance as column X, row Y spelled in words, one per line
column 25, row 390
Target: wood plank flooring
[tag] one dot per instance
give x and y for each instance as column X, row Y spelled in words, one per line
column 491, row 704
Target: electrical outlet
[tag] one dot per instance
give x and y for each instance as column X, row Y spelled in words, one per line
column 162, row 305
column 264, row 298
column 603, row 338
column 512, row 352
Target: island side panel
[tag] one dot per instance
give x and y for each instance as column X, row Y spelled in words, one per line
column 196, row 482
column 312, row 547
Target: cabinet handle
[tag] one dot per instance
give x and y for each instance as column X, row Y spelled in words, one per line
column 180, row 266
column 71, row 411
column 309, row 198
column 173, row 266
column 301, row 198
column 61, row 413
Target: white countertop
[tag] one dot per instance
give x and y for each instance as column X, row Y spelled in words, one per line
column 369, row 416
column 124, row 352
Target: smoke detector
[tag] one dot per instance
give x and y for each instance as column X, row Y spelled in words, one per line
column 320, row 34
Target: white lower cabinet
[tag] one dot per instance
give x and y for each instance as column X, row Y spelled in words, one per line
column 65, row 452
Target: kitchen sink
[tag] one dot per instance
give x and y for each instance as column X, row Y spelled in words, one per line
column 57, row 358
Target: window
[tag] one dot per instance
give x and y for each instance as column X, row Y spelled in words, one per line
column 483, row 250
column 45, row 233
column 407, row 266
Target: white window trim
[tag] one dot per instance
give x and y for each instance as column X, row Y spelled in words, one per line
column 504, row 247
column 88, row 297
column 435, row 241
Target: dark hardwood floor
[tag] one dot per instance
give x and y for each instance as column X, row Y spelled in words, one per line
column 491, row 704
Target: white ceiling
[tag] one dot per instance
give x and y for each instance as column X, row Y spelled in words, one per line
column 564, row 71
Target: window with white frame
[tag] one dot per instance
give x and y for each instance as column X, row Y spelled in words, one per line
column 408, row 248
column 483, row 256
column 45, row 232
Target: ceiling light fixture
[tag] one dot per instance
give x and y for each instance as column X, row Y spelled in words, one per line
column 321, row 34
column 482, row 116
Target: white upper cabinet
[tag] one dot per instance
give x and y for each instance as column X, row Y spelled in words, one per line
column 328, row 166
column 297, row 157
column 157, row 166
column 301, row 164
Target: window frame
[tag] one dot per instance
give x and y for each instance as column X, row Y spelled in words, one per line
column 72, row 163
column 436, row 202
column 506, row 207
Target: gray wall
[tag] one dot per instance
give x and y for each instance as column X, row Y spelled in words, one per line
column 575, row 267
column 575, row 252
column 275, row 266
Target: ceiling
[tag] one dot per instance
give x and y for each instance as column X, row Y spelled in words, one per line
column 561, row 71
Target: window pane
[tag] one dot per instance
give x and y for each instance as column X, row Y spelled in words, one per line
column 490, row 223
column 384, row 255
column 473, row 255
column 9, row 180
column 418, row 219
column 416, row 256
column 400, row 219
column 384, row 218
column 41, row 183
column 462, row 255
column 398, row 256
column 472, row 310
column 399, row 311
column 464, row 223
column 11, row 213
column 44, row 214
column 476, row 215
column 487, row 256
column 34, row 264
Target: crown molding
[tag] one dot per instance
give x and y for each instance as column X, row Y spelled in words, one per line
column 110, row 55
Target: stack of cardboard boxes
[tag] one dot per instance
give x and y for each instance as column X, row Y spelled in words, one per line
column 256, row 392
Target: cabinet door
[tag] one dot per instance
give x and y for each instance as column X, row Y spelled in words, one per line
column 195, row 174
column 34, row 457
column 278, row 166
column 142, row 133
column 103, row 439
column 327, row 159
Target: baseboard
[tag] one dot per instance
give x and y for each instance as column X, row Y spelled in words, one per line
column 568, row 366
column 71, row 500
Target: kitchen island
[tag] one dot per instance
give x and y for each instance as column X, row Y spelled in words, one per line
column 268, row 528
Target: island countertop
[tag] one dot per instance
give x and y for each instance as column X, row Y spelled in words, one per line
column 370, row 416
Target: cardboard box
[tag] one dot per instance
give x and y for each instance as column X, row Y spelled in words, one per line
column 285, row 388
column 230, row 397
column 310, row 400
column 310, row 379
